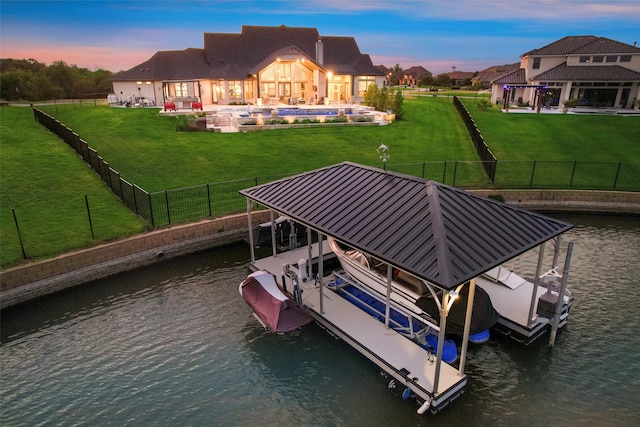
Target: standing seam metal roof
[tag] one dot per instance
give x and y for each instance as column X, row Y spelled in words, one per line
column 442, row 234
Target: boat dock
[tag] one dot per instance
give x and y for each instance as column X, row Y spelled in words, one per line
column 407, row 362
column 435, row 233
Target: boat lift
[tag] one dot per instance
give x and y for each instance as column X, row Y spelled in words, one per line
column 437, row 233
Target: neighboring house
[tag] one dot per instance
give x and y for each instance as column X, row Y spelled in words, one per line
column 596, row 71
column 458, row 78
column 410, row 76
column 485, row 77
column 258, row 66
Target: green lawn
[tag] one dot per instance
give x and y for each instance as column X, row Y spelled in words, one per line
column 45, row 183
column 572, row 137
column 146, row 150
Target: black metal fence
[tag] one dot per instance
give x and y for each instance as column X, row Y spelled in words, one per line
column 487, row 157
column 217, row 199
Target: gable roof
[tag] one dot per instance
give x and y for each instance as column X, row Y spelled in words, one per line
column 416, row 71
column 496, row 71
column 439, row 233
column 576, row 45
column 235, row 56
column 188, row 64
column 589, row 73
column 515, row 77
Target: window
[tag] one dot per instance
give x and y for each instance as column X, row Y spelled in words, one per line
column 181, row 89
column 598, row 58
column 536, row 63
column 585, row 59
column 612, row 58
column 248, row 89
column 222, row 91
column 363, row 84
column 625, row 58
column 235, row 90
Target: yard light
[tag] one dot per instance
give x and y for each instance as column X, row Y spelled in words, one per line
column 383, row 152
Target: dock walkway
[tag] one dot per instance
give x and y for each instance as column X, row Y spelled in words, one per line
column 407, row 362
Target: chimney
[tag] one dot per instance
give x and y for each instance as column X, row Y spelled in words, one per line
column 319, row 52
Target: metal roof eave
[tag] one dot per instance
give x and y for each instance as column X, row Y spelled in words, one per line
column 455, row 235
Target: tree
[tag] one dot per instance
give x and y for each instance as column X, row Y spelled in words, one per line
column 443, row 80
column 385, row 99
column 426, row 80
column 29, row 80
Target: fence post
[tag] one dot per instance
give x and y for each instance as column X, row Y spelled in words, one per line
column 135, row 199
column 533, row 172
column 209, row 199
column 15, row 219
column 444, row 172
column 615, row 180
column 166, row 199
column 153, row 222
column 86, row 201
column 573, row 173
column 455, row 172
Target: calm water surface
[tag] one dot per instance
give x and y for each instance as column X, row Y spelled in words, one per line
column 175, row 345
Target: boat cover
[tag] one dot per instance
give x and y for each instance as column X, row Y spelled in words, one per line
column 483, row 317
column 275, row 309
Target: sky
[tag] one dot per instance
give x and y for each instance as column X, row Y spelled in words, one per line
column 469, row 35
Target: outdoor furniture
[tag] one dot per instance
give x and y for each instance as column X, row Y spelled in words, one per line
column 170, row 106
column 196, row 106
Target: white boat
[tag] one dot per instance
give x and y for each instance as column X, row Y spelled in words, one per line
column 417, row 296
column 274, row 309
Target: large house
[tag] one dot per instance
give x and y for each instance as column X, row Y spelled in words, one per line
column 260, row 65
column 596, row 71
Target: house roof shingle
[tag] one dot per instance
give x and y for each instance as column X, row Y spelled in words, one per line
column 588, row 73
column 227, row 56
column 581, row 45
column 517, row 77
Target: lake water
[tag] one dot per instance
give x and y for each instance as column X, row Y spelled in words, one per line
column 174, row 344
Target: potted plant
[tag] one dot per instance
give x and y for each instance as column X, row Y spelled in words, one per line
column 569, row 103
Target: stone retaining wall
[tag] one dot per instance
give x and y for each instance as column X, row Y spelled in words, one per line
column 20, row 284
column 606, row 202
column 30, row 281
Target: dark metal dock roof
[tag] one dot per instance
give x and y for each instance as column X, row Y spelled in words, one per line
column 442, row 234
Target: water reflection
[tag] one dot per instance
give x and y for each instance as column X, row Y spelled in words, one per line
column 174, row 344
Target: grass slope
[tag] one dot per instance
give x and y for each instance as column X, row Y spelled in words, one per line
column 572, row 137
column 45, row 182
column 147, row 151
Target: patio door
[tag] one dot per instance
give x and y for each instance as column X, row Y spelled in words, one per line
column 336, row 91
column 285, row 91
column 215, row 90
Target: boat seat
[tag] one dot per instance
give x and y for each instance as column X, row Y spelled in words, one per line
column 410, row 282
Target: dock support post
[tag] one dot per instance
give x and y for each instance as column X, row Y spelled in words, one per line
column 250, row 226
column 387, row 311
column 560, row 303
column 467, row 326
column 321, row 271
column 536, row 282
column 273, row 233
column 309, row 253
column 444, row 310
